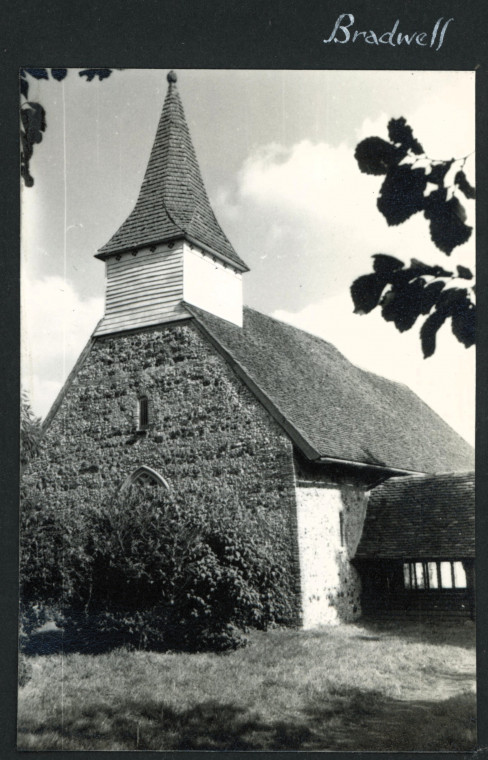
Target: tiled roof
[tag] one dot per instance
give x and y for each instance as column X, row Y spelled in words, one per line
column 333, row 408
column 172, row 201
column 420, row 518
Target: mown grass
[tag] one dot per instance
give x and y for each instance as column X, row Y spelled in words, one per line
column 357, row 687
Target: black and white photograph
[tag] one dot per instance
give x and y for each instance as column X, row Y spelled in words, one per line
column 248, row 307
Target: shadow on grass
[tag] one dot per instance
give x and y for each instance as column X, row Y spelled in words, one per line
column 347, row 719
column 460, row 633
column 63, row 641
column 58, row 642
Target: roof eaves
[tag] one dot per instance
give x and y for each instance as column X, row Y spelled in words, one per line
column 236, row 264
column 103, row 255
column 383, row 468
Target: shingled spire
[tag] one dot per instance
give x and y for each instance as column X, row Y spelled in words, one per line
column 172, row 202
column 171, row 249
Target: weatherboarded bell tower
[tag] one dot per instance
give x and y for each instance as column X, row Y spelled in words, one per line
column 181, row 387
column 171, row 248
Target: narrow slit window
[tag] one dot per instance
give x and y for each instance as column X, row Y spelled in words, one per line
column 143, row 412
column 341, row 527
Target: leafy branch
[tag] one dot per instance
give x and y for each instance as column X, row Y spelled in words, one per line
column 406, row 293
column 415, row 183
column 33, row 115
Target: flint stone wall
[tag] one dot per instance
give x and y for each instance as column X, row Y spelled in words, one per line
column 206, row 431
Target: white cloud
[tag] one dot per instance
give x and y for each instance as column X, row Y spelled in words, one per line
column 56, row 323
column 316, row 196
column 310, row 183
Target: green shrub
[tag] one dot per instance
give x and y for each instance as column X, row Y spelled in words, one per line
column 149, row 570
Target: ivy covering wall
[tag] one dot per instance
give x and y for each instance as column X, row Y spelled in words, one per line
column 207, row 436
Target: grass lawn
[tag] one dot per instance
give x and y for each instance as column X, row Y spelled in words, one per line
column 358, row 687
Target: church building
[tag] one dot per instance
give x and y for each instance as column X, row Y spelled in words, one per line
column 183, row 386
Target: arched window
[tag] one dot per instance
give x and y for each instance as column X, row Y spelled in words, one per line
column 143, row 413
column 145, row 476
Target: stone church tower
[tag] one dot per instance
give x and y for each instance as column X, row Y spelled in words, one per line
column 184, row 387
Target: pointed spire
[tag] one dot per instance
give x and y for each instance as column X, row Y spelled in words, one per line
column 172, row 202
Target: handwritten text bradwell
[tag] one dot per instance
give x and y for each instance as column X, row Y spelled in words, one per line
column 343, row 33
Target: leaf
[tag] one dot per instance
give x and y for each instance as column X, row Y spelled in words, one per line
column 447, row 227
column 402, row 194
column 366, row 292
column 438, row 172
column 430, row 295
column 38, row 73
column 375, row 156
column 401, row 133
column 466, row 188
column 33, row 117
column 59, row 74
column 464, row 323
column 428, row 332
column 456, row 303
column 403, row 306
column 438, row 271
column 25, row 173
column 458, row 209
column 464, row 272
column 27, row 148
column 451, row 297
column 384, row 264
column 90, row 74
column 418, row 268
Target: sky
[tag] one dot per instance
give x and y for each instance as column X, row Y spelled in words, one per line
column 276, row 150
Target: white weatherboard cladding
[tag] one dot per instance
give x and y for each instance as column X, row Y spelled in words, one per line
column 211, row 285
column 144, row 289
column 148, row 288
column 330, row 584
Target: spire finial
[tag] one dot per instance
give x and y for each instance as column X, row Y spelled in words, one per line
column 171, row 77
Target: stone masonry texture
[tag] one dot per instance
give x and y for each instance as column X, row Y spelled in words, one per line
column 331, row 587
column 206, row 430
